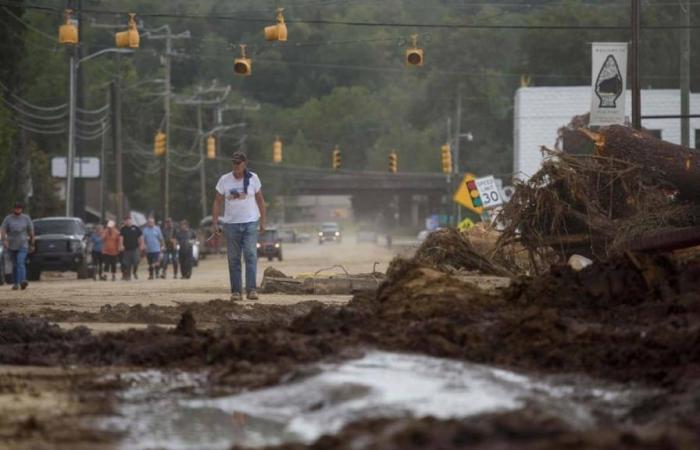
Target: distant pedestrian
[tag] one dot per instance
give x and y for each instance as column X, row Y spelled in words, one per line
column 184, row 237
column 17, row 232
column 97, row 245
column 111, row 241
column 132, row 245
column 240, row 193
column 153, row 239
column 170, row 252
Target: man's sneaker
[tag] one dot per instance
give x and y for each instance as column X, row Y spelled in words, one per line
column 252, row 295
column 16, row 287
column 236, row 297
column 24, row 285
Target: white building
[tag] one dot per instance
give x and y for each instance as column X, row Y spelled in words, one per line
column 540, row 111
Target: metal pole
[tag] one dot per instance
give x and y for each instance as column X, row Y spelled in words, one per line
column 451, row 207
column 634, row 66
column 102, row 176
column 71, row 137
column 117, row 143
column 202, row 172
column 685, row 72
column 457, row 142
column 166, row 182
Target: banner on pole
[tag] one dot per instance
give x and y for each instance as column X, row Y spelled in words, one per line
column 609, row 83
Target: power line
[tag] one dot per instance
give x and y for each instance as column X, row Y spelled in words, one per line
column 473, row 26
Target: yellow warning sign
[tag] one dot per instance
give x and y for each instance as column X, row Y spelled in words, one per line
column 467, row 194
column 465, row 225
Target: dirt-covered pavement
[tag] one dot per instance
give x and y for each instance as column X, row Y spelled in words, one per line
column 104, row 305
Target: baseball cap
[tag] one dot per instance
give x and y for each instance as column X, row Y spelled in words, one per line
column 239, row 157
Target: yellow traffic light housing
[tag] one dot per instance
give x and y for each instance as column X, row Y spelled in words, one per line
column 129, row 38
column 393, row 162
column 211, row 147
column 277, row 32
column 243, row 65
column 277, row 151
column 414, row 55
column 68, row 32
column 336, row 158
column 446, row 159
column 159, row 143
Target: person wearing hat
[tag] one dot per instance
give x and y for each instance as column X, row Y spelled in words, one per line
column 240, row 193
column 111, row 239
column 17, row 232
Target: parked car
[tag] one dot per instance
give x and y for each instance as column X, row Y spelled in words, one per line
column 60, row 245
column 269, row 244
column 287, row 235
column 329, row 231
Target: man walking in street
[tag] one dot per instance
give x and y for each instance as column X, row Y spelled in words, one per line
column 153, row 238
column 185, row 237
column 17, row 232
column 240, row 193
column 111, row 242
column 170, row 253
column 131, row 243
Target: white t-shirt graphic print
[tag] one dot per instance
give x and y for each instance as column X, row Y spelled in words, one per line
column 239, row 206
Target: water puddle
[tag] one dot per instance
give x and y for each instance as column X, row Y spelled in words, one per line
column 174, row 411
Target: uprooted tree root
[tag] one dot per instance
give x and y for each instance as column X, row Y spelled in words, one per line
column 592, row 205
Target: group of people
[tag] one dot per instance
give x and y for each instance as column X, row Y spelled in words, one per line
column 125, row 245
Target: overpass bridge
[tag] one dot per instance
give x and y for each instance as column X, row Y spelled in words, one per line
column 406, row 197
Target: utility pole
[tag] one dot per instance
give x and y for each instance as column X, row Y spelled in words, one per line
column 457, row 141
column 202, row 171
column 71, row 136
column 116, row 104
column 685, row 72
column 168, row 36
column 450, row 203
column 634, row 66
column 103, row 181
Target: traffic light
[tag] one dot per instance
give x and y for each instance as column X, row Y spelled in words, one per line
column 446, row 159
column 277, row 32
column 68, row 32
column 243, row 65
column 159, row 144
column 336, row 158
column 129, row 38
column 393, row 162
column 474, row 193
column 414, row 55
column 211, row 147
column 277, row 151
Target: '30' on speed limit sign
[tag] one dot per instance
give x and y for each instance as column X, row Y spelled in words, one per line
column 490, row 194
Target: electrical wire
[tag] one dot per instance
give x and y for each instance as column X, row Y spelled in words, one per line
column 32, row 115
column 93, row 111
column 29, row 25
column 31, row 105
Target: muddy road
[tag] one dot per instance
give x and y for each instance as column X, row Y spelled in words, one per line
column 80, row 300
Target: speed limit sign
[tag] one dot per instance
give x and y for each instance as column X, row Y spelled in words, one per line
column 490, row 194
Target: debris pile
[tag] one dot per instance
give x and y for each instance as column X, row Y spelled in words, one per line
column 632, row 194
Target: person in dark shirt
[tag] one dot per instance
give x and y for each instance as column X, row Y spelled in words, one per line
column 170, row 253
column 132, row 245
column 184, row 237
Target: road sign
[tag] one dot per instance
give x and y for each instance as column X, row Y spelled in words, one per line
column 468, row 195
column 490, row 193
column 87, row 167
column 465, row 225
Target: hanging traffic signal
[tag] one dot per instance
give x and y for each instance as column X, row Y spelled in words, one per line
column 129, row 38
column 277, row 32
column 211, row 147
column 159, row 143
column 336, row 158
column 474, row 193
column 277, row 151
column 68, row 32
column 393, row 162
column 446, row 159
column 243, row 65
column 414, row 55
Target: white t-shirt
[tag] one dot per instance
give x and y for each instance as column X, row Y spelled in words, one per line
column 239, row 207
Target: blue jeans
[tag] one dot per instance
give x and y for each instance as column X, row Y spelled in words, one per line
column 19, row 265
column 242, row 238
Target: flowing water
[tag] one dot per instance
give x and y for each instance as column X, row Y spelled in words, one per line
column 174, row 411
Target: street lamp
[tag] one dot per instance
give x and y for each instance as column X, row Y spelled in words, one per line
column 72, row 75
